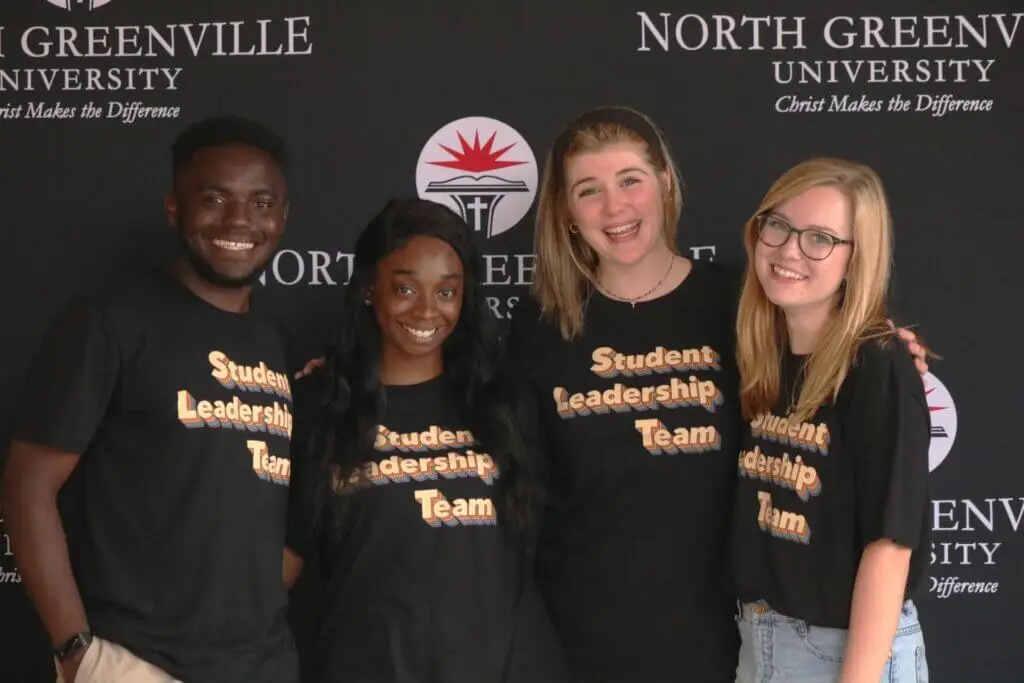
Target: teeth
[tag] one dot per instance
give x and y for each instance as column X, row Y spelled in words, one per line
column 785, row 272
column 233, row 246
column 420, row 334
column 622, row 229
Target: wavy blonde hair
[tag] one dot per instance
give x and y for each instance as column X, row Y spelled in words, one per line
column 860, row 303
column 565, row 263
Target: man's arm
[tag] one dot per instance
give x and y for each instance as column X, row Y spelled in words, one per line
column 33, row 477
column 62, row 403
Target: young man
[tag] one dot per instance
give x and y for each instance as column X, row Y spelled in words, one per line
column 146, row 490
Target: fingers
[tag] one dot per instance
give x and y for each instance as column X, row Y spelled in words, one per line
column 906, row 334
column 922, row 367
column 310, row 366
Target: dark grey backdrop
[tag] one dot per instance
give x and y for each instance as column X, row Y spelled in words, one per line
column 82, row 198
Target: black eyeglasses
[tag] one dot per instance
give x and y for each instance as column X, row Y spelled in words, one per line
column 815, row 244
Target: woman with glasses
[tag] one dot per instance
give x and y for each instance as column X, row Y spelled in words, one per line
column 831, row 508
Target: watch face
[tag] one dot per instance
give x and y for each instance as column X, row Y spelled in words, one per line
column 78, row 642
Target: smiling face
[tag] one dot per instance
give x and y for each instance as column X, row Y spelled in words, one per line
column 791, row 280
column 417, row 298
column 229, row 208
column 615, row 200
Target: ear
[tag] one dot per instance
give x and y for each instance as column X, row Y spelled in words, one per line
column 171, row 210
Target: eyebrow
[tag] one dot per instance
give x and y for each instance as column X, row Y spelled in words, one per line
column 407, row 271
column 819, row 228
column 631, row 169
column 213, row 187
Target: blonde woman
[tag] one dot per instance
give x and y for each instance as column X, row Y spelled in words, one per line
column 831, row 508
column 629, row 349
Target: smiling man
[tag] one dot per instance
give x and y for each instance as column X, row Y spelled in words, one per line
column 146, row 488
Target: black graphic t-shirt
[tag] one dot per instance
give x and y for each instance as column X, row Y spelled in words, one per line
column 420, row 582
column 812, row 495
column 640, row 419
column 175, row 515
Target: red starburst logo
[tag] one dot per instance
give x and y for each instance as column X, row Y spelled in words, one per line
column 476, row 159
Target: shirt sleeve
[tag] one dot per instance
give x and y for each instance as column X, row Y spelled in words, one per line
column 71, row 378
column 889, row 433
column 302, row 527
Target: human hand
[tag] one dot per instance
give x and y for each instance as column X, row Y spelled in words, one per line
column 69, row 668
column 310, row 366
column 915, row 348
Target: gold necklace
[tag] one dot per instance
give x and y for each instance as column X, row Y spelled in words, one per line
column 634, row 301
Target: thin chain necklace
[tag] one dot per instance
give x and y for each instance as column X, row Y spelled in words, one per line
column 633, row 302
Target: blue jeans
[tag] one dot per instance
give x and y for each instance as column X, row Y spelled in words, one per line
column 779, row 649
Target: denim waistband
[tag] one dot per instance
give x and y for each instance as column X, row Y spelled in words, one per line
column 762, row 611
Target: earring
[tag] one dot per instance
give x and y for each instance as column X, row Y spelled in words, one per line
column 573, row 229
column 369, row 297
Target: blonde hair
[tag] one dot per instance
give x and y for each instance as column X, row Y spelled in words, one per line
column 565, row 263
column 860, row 305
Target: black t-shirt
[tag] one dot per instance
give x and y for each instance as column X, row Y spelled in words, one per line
column 421, row 583
column 812, row 495
column 175, row 514
column 640, row 420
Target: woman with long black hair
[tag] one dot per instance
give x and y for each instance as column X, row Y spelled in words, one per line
column 418, row 491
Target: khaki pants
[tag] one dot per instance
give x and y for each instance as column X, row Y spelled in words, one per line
column 107, row 662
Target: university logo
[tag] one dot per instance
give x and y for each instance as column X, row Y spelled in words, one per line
column 74, row 4
column 943, row 420
column 482, row 169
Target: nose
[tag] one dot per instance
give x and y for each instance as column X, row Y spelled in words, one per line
column 790, row 249
column 425, row 307
column 614, row 200
column 237, row 214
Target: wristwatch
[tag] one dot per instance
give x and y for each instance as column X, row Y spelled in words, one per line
column 72, row 646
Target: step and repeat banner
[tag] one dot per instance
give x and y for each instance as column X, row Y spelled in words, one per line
column 459, row 102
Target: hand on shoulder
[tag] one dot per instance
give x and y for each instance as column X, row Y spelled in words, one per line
column 917, row 349
column 310, row 366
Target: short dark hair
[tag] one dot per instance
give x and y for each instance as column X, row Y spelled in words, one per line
column 227, row 130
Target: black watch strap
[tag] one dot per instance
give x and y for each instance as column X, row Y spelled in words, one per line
column 73, row 646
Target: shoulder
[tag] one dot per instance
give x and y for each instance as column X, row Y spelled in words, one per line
column 131, row 301
column 88, row 313
column 528, row 323
column 884, row 366
column 720, row 277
